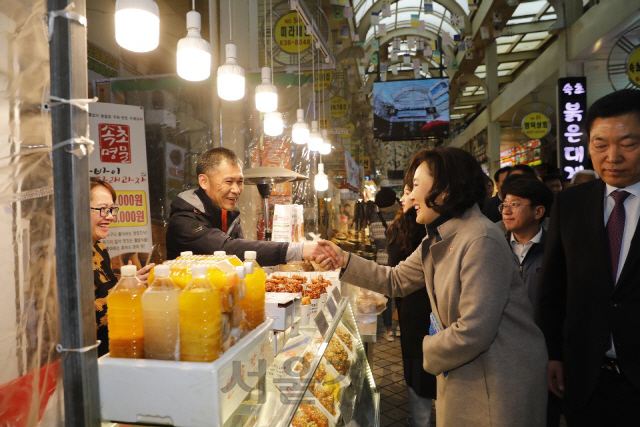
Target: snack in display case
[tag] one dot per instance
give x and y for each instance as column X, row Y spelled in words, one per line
column 345, row 337
column 337, row 356
column 326, row 398
column 309, row 416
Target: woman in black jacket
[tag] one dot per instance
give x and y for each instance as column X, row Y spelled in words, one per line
column 403, row 237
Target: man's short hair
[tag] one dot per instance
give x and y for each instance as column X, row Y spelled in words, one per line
column 456, row 174
column 551, row 177
column 525, row 169
column 496, row 176
column 615, row 104
column 531, row 189
column 209, row 161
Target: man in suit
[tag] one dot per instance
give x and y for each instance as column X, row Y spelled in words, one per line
column 590, row 283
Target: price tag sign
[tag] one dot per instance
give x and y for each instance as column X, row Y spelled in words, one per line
column 331, row 306
column 321, row 323
column 337, row 295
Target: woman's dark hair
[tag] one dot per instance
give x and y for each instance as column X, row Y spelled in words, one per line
column 457, row 176
column 404, row 224
column 95, row 182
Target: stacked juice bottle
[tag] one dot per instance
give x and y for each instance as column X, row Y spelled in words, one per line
column 124, row 304
column 161, row 316
column 200, row 319
column 253, row 303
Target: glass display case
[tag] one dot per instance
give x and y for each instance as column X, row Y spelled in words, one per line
column 324, row 379
column 312, row 375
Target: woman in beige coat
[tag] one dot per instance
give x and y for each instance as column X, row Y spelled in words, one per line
column 490, row 357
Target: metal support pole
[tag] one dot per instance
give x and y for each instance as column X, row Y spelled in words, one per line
column 493, row 130
column 68, row 67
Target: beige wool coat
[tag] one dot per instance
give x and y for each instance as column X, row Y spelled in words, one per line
column 494, row 354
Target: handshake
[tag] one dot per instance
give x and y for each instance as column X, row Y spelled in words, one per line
column 327, row 255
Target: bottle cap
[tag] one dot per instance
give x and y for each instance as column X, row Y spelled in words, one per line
column 128, row 270
column 217, row 253
column 198, row 270
column 250, row 255
column 161, row 270
column 241, row 271
column 248, row 267
column 186, row 253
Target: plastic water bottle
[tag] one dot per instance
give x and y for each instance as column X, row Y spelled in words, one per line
column 124, row 308
column 161, row 316
column 200, row 319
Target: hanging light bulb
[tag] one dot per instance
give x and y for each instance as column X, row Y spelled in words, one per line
column 300, row 129
column 266, row 93
column 273, row 123
column 325, row 147
column 315, row 137
column 194, row 53
column 321, row 181
column 137, row 25
column 230, row 76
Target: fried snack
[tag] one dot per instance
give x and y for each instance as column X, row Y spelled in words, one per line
column 345, row 337
column 306, row 300
column 309, row 416
column 325, row 398
column 332, row 386
column 337, row 356
column 305, row 364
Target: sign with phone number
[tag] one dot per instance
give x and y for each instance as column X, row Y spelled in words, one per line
column 290, row 34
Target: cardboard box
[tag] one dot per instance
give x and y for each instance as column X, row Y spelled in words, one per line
column 281, row 307
column 183, row 393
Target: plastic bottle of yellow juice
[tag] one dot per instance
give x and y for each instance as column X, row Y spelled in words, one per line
column 181, row 275
column 124, row 308
column 200, row 319
column 253, row 302
column 161, row 315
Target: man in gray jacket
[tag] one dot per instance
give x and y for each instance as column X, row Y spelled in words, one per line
column 205, row 220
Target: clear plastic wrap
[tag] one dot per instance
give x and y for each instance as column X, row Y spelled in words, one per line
column 30, row 374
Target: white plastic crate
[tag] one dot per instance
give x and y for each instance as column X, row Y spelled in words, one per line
column 189, row 394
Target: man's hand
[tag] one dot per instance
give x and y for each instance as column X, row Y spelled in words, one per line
column 556, row 377
column 320, row 254
column 338, row 254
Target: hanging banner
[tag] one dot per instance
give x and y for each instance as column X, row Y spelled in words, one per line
column 353, row 170
column 120, row 158
column 572, row 107
column 289, row 34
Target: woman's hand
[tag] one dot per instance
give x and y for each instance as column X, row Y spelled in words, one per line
column 143, row 273
column 339, row 256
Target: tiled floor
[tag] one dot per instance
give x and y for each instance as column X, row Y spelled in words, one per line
column 389, row 378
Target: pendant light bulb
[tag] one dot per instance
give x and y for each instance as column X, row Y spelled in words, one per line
column 273, row 123
column 137, row 25
column 325, row 147
column 315, row 137
column 300, row 129
column 194, row 53
column 321, row 181
column 230, row 76
column 266, row 93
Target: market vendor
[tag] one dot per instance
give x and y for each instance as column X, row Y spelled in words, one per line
column 205, row 220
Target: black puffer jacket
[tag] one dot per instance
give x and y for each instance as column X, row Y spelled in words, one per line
column 195, row 224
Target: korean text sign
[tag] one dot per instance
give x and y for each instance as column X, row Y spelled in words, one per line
column 120, row 158
column 572, row 108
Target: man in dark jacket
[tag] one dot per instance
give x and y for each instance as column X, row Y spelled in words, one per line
column 526, row 203
column 490, row 208
column 205, row 220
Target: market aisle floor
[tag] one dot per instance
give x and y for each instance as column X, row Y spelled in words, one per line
column 389, row 378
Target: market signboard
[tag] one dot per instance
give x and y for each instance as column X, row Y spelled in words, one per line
column 536, row 125
column 290, row 34
column 120, row 158
column 572, row 107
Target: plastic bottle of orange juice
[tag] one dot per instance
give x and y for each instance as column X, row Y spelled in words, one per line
column 161, row 315
column 253, row 302
column 124, row 305
column 200, row 319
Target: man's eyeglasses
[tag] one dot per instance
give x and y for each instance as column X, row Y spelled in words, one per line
column 104, row 212
column 514, row 206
